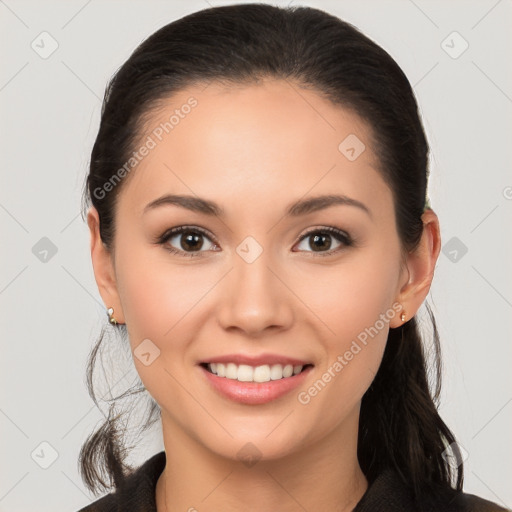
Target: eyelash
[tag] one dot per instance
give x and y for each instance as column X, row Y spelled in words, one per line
column 341, row 236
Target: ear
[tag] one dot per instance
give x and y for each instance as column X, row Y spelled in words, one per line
column 103, row 265
column 420, row 265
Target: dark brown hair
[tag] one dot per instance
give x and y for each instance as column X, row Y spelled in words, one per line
column 400, row 427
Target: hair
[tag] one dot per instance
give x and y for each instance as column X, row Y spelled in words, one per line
column 399, row 427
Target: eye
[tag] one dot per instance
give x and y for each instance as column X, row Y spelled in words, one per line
column 320, row 239
column 189, row 241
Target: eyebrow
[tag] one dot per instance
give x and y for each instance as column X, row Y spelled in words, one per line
column 296, row 209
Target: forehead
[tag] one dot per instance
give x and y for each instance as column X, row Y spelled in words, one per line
column 269, row 142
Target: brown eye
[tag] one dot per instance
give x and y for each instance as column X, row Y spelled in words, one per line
column 186, row 241
column 191, row 241
column 321, row 241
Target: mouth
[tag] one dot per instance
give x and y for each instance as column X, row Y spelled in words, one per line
column 257, row 374
column 254, row 381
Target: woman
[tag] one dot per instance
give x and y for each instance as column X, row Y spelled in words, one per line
column 261, row 236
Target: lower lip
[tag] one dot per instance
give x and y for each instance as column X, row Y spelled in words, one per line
column 254, row 393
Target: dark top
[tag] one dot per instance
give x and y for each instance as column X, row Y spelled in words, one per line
column 386, row 494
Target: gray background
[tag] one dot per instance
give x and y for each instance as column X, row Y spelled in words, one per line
column 51, row 311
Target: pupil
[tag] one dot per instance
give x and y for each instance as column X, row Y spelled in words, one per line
column 191, row 241
column 321, row 238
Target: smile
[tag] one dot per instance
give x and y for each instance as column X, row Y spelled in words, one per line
column 264, row 380
column 247, row 373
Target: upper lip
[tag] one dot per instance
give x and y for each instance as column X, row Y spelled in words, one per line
column 259, row 360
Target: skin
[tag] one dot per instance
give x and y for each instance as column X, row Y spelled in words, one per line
column 254, row 149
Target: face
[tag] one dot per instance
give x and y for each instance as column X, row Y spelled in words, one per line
column 256, row 283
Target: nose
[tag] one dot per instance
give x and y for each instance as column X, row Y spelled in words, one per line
column 255, row 298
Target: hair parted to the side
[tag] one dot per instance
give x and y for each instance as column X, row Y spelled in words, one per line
column 400, row 426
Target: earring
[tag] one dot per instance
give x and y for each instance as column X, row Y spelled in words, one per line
column 111, row 318
column 402, row 317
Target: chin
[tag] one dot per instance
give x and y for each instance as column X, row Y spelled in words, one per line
column 268, row 441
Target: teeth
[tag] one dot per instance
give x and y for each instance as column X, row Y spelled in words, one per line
column 288, row 370
column 231, row 371
column 276, row 372
column 261, row 373
column 246, row 373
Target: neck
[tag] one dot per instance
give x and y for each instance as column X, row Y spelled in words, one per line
column 324, row 475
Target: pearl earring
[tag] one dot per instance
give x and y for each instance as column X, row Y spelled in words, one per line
column 111, row 318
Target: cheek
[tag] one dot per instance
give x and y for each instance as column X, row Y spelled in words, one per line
column 354, row 300
column 166, row 303
column 159, row 300
column 157, row 294
column 350, row 296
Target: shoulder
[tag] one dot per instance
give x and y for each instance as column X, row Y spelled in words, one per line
column 137, row 494
column 389, row 493
column 464, row 502
column 108, row 503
